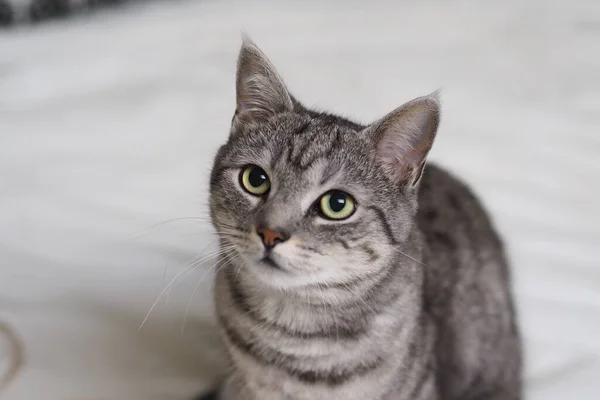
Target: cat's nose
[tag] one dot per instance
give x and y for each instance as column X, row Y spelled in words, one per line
column 270, row 238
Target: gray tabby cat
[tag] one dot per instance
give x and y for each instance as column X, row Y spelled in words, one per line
column 351, row 270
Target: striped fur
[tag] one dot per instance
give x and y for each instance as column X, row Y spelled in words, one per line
column 407, row 299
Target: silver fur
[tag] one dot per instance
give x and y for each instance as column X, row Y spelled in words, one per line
column 408, row 299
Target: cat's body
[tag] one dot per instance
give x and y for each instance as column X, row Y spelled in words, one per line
column 467, row 294
column 350, row 271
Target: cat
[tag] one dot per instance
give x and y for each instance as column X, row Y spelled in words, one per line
column 351, row 269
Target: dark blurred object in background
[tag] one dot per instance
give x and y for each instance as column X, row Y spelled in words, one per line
column 18, row 12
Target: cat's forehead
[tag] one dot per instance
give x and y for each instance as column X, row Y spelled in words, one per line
column 299, row 141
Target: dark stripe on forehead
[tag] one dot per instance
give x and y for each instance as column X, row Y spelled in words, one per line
column 240, row 300
column 336, row 142
column 268, row 356
column 287, row 152
column 301, row 143
column 302, row 138
column 304, row 164
column 332, row 166
column 318, row 145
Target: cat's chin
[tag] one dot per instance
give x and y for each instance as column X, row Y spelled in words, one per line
column 273, row 275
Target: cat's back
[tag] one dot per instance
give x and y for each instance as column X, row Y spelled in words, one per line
column 460, row 241
column 450, row 214
column 467, row 292
column 451, row 218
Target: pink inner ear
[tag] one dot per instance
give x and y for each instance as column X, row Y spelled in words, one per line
column 394, row 161
column 400, row 152
column 405, row 138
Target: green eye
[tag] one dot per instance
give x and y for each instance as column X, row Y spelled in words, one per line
column 255, row 180
column 336, row 205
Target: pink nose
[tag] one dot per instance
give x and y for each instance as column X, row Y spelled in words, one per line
column 271, row 238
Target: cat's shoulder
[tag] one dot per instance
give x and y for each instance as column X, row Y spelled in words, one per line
column 437, row 181
column 447, row 200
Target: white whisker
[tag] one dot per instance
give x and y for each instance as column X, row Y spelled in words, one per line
column 187, row 308
column 412, row 258
column 171, row 283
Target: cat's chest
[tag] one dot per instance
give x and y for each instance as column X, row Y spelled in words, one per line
column 267, row 382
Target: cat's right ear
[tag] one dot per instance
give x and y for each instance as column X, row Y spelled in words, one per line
column 404, row 137
column 260, row 91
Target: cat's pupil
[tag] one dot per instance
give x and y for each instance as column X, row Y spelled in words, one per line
column 337, row 201
column 257, row 177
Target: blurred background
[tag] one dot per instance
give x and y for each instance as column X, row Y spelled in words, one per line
column 110, row 115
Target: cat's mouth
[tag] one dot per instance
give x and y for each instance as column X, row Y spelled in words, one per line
column 268, row 260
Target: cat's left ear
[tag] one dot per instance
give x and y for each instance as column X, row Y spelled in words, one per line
column 260, row 91
column 404, row 137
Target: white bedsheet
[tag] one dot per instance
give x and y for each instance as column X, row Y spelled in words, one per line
column 108, row 125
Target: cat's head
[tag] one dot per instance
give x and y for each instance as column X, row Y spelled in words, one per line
column 308, row 198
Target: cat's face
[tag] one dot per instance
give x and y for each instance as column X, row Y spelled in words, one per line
column 305, row 198
column 313, row 181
